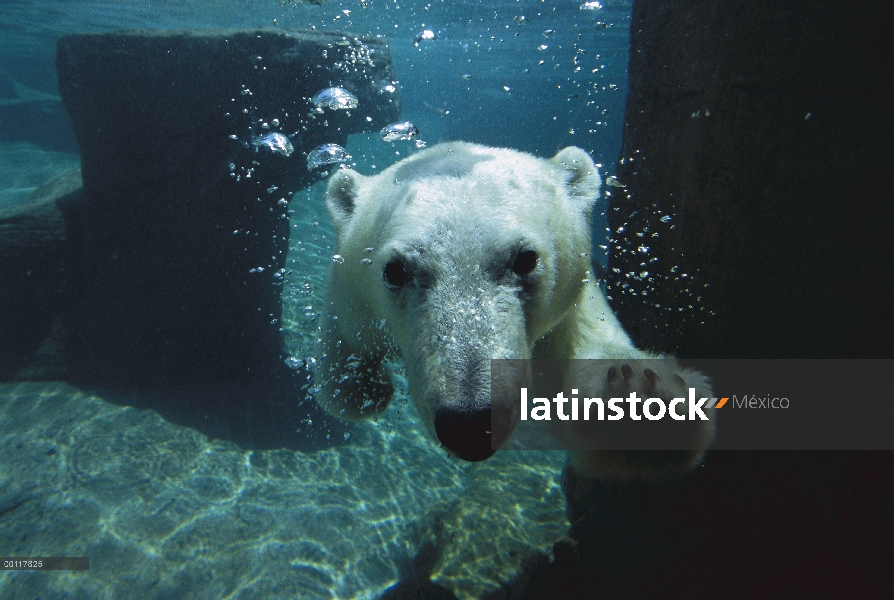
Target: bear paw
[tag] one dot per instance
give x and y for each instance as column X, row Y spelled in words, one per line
column 647, row 443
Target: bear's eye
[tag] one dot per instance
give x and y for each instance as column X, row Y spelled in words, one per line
column 395, row 273
column 524, row 263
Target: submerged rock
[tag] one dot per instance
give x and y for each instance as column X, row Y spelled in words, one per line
column 174, row 254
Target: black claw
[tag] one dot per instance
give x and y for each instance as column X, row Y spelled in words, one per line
column 652, row 376
column 612, row 374
column 680, row 380
column 626, row 371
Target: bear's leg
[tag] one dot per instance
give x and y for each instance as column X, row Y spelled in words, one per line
column 593, row 332
column 353, row 384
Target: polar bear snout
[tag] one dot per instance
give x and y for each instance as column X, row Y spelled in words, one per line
column 450, row 377
column 469, row 419
column 466, row 433
column 456, row 392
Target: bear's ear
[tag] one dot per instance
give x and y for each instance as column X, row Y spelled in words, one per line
column 581, row 177
column 341, row 195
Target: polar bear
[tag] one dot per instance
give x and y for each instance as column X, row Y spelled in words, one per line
column 462, row 253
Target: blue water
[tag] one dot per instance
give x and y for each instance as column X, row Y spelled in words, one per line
column 566, row 87
column 166, row 508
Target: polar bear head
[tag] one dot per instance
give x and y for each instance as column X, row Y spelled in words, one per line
column 453, row 256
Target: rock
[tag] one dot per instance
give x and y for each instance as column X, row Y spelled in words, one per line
column 758, row 159
column 33, row 243
column 172, row 257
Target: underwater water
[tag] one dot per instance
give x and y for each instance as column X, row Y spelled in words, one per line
column 168, row 501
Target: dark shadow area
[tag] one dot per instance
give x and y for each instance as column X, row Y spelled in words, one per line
column 278, row 414
column 33, row 286
column 746, row 525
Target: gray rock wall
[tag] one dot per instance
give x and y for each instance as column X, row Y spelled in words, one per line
column 763, row 134
column 171, row 257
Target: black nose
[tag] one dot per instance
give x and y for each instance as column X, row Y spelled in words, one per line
column 465, row 433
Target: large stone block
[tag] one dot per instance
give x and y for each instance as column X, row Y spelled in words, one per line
column 172, row 259
column 758, row 157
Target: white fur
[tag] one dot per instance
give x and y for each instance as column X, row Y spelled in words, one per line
column 455, row 215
